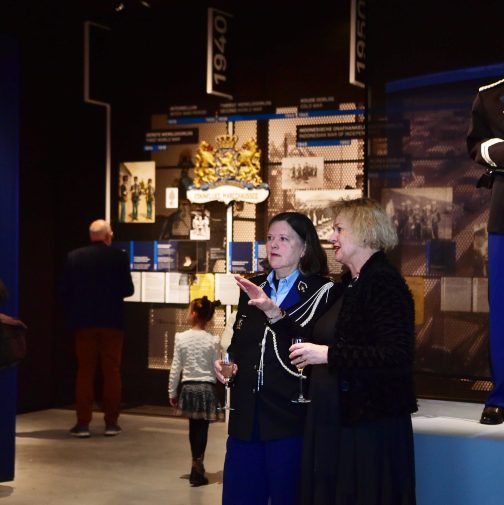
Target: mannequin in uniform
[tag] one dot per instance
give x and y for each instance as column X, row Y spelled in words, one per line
column 485, row 143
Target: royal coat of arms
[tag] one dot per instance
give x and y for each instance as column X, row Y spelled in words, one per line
column 228, row 174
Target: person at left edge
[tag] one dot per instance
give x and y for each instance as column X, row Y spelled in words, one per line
column 263, row 452
column 96, row 280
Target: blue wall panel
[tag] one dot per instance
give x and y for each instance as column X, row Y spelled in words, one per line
column 9, row 236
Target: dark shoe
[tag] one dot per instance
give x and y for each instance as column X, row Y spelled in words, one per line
column 197, row 477
column 112, row 430
column 492, row 415
column 80, row 431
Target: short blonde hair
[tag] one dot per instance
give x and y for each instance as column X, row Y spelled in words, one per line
column 370, row 223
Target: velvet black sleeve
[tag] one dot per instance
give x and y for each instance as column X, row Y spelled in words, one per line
column 378, row 329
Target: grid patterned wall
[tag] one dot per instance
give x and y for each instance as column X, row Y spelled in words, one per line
column 164, row 322
column 427, row 185
column 335, row 168
column 342, row 167
column 338, row 167
column 245, row 215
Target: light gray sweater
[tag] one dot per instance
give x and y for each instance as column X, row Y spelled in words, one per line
column 194, row 355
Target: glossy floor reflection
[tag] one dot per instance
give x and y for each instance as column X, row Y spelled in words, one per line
column 148, row 463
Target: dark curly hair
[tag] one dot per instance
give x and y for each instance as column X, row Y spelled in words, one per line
column 204, row 308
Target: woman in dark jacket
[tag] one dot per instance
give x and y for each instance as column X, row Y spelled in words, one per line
column 263, row 457
column 359, row 438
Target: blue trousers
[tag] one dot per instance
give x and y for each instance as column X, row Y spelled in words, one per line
column 256, row 471
column 496, row 301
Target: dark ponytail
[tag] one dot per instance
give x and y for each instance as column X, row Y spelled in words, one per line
column 204, row 308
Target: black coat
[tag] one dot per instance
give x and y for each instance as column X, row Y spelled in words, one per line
column 486, row 146
column 374, row 344
column 96, row 280
column 277, row 417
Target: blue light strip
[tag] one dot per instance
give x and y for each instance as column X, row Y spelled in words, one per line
column 464, row 74
column 263, row 116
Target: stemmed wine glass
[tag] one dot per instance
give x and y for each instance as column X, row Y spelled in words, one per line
column 227, row 365
column 301, row 398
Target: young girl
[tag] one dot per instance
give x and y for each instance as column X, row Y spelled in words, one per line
column 194, row 355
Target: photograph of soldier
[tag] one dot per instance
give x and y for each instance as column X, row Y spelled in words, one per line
column 149, row 198
column 123, row 198
column 135, row 198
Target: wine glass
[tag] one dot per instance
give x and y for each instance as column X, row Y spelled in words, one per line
column 300, row 398
column 227, row 365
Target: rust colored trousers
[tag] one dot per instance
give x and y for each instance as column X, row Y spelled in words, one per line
column 98, row 346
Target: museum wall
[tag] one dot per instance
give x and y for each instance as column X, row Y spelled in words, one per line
column 284, row 51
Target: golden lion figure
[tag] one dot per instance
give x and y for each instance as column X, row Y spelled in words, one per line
column 204, row 170
column 249, row 162
column 226, row 165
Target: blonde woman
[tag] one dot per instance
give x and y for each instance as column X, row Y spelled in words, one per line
column 358, row 439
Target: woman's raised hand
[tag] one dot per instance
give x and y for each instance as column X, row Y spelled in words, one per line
column 258, row 297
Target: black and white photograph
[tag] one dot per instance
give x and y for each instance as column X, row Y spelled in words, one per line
column 317, row 205
column 200, row 225
column 303, row 172
column 420, row 214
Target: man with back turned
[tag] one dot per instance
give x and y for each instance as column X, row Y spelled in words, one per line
column 96, row 280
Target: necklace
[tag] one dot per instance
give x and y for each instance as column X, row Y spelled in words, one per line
column 353, row 281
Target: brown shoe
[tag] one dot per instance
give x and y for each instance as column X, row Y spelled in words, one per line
column 197, row 477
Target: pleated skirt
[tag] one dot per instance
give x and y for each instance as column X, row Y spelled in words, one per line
column 199, row 400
